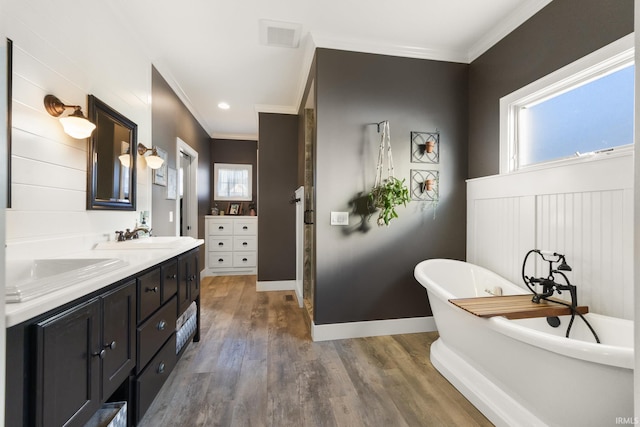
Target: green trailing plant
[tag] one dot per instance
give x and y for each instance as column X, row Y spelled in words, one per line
column 386, row 196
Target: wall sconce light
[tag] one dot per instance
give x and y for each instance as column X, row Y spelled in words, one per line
column 153, row 161
column 75, row 124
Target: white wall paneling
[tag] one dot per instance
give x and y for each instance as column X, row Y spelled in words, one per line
column 70, row 52
column 584, row 211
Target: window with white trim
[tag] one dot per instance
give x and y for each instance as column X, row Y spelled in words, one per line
column 232, row 181
column 586, row 109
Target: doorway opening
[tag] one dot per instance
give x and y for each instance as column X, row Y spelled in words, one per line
column 187, row 200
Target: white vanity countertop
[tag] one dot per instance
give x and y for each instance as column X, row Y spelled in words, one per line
column 136, row 259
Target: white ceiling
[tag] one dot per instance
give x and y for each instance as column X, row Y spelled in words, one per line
column 209, row 50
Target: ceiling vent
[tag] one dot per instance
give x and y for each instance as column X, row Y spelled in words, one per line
column 280, row 34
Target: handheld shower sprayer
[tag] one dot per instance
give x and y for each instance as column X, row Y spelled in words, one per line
column 550, row 286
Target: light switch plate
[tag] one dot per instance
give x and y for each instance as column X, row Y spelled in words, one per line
column 339, row 218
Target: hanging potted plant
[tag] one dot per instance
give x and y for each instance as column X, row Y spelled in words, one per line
column 386, row 196
column 390, row 192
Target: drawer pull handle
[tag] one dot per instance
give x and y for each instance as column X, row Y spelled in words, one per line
column 161, row 368
column 245, row 244
column 244, row 260
column 172, row 276
column 100, row 354
column 161, row 325
column 154, row 289
column 220, row 260
column 221, row 228
column 220, row 244
column 244, row 227
column 111, row 346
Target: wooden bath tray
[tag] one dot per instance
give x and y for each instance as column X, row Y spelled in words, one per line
column 513, row 307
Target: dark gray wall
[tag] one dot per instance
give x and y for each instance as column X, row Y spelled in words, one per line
column 368, row 275
column 559, row 34
column 170, row 120
column 235, row 152
column 277, row 181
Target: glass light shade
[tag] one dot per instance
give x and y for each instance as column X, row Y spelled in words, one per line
column 77, row 127
column 154, row 162
column 125, row 159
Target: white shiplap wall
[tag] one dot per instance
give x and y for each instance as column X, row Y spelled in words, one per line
column 70, row 49
column 584, row 211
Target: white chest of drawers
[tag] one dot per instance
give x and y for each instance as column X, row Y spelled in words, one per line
column 231, row 245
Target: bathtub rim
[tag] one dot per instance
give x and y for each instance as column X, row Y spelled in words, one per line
column 606, row 354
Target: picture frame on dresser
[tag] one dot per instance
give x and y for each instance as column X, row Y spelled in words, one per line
column 234, row 209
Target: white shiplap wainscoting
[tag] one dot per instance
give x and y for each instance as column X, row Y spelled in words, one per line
column 584, row 211
column 60, row 51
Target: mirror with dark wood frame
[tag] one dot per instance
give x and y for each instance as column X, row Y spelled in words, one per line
column 9, row 108
column 111, row 168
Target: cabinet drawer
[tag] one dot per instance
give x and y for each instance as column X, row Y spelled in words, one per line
column 244, row 259
column 241, row 227
column 220, row 227
column 169, row 274
column 245, row 243
column 153, row 377
column 155, row 331
column 219, row 244
column 148, row 294
column 220, row 259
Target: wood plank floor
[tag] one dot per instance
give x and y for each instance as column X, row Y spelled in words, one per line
column 257, row 366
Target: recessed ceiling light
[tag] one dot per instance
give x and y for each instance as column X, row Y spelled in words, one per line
column 224, row 106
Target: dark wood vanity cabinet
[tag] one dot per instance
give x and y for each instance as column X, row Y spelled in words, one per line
column 82, row 356
column 119, row 337
column 115, row 344
column 189, row 280
column 67, row 388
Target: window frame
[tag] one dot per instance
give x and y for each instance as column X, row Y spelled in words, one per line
column 236, row 167
column 606, row 60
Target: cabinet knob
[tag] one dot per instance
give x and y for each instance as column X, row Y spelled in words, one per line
column 220, row 260
column 244, row 260
column 244, row 243
column 100, row 354
column 161, row 325
column 244, row 227
column 111, row 346
column 161, row 368
column 221, row 227
column 154, row 289
column 220, row 244
column 172, row 276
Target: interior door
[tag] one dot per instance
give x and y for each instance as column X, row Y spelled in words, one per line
column 299, row 197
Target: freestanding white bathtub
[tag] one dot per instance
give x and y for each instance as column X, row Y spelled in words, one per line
column 524, row 372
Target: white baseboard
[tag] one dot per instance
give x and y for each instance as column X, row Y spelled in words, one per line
column 372, row 328
column 275, row 285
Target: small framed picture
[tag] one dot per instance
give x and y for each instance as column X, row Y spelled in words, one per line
column 234, row 208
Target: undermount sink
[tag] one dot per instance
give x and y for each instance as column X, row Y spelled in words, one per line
column 154, row 242
column 27, row 279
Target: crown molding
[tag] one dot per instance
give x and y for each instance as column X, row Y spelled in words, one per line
column 180, row 93
column 364, row 46
column 278, row 109
column 504, row 27
column 235, row 136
